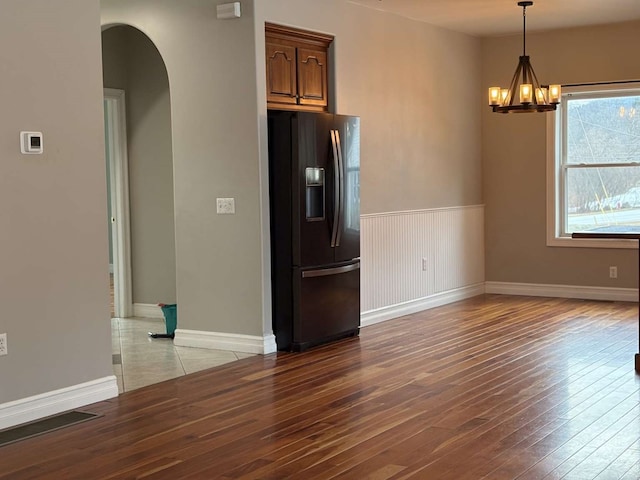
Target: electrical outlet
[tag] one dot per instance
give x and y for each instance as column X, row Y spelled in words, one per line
column 613, row 272
column 3, row 344
column 424, row 264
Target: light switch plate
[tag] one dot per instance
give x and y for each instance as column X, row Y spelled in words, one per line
column 226, row 206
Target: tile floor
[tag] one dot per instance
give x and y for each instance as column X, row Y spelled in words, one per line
column 139, row 360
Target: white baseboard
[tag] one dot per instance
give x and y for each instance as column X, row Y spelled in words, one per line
column 394, row 311
column 225, row 341
column 148, row 310
column 563, row 291
column 51, row 403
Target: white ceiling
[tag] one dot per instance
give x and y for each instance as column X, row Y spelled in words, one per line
column 499, row 17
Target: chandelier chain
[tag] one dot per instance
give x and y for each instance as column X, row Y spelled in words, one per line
column 524, row 30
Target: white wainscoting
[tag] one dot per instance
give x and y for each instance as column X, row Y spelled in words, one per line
column 393, row 246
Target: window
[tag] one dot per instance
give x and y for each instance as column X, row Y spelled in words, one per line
column 594, row 164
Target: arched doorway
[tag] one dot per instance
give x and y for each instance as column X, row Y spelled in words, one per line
column 134, row 69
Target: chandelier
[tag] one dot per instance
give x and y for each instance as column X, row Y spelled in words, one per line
column 531, row 95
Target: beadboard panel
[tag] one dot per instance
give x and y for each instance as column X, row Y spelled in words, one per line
column 459, row 248
column 393, row 246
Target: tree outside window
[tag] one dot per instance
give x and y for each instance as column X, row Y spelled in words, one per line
column 599, row 161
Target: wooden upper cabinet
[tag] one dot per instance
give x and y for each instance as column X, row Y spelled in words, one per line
column 297, row 68
column 312, row 77
column 282, row 80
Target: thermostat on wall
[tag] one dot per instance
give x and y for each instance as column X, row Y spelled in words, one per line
column 31, row 142
column 228, row 10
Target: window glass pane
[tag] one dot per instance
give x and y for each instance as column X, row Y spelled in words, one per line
column 601, row 197
column 603, row 130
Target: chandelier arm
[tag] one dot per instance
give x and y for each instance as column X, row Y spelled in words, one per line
column 537, row 87
column 514, row 82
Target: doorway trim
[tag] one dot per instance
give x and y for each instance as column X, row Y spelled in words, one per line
column 116, row 139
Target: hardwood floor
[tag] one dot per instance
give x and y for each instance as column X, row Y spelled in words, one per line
column 494, row 387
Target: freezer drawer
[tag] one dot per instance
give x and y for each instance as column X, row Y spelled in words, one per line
column 326, row 304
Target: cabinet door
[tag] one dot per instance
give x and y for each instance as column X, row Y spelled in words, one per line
column 312, row 77
column 281, row 73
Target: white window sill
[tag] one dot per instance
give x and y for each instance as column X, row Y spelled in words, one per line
column 590, row 243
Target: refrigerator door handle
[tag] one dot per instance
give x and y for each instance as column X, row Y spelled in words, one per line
column 323, row 272
column 341, row 204
column 336, row 196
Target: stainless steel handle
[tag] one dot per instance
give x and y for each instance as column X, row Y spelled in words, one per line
column 330, row 271
column 336, row 195
column 341, row 175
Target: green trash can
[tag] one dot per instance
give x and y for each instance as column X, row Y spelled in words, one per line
column 170, row 312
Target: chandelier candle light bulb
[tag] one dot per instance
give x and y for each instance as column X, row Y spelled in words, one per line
column 533, row 97
column 495, row 95
column 525, row 93
column 498, row 96
column 542, row 95
column 554, row 94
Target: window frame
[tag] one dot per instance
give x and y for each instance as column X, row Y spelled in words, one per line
column 556, row 171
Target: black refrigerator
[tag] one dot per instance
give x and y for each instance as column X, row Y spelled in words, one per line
column 314, row 188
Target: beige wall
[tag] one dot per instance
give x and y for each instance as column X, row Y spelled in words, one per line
column 514, row 162
column 53, row 241
column 416, row 88
column 132, row 63
column 211, row 69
